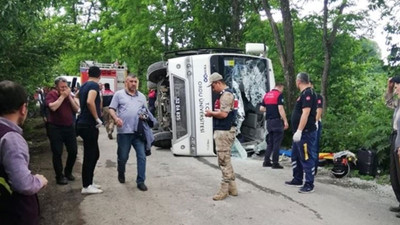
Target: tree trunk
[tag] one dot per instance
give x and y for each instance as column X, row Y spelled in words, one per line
column 89, row 16
column 166, row 30
column 237, row 12
column 324, row 81
column 286, row 55
column 166, row 36
column 328, row 40
column 255, row 5
column 327, row 58
column 289, row 45
column 75, row 14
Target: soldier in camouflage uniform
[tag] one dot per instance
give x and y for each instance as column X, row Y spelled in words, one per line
column 224, row 134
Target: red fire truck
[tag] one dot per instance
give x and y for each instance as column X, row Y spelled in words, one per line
column 111, row 73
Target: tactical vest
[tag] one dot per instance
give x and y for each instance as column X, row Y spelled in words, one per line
column 229, row 121
column 270, row 101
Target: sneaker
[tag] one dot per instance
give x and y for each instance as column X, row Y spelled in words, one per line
column 277, row 166
column 98, row 186
column 267, row 164
column 91, row 190
column 306, row 189
column 294, row 183
column 142, row 187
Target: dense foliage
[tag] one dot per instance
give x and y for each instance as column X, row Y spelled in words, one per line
column 41, row 39
column 29, row 44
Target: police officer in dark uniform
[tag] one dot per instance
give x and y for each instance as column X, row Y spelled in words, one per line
column 304, row 129
column 277, row 122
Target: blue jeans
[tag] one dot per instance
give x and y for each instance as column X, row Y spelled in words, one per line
column 125, row 141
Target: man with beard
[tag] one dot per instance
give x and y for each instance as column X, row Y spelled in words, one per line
column 124, row 109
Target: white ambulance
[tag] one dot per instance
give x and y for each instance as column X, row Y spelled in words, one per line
column 183, row 96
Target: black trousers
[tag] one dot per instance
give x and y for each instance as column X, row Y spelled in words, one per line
column 394, row 167
column 58, row 136
column 91, row 152
column 274, row 139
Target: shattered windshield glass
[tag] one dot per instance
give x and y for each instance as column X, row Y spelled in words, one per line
column 247, row 76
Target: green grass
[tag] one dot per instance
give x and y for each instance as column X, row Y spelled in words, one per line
column 383, row 179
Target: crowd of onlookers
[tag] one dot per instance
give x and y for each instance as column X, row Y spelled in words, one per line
column 68, row 113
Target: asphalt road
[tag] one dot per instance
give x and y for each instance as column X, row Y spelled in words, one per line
column 181, row 190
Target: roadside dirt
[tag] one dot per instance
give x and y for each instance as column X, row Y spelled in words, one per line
column 58, row 204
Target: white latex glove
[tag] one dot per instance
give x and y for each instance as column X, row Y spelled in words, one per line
column 316, row 125
column 99, row 122
column 297, row 136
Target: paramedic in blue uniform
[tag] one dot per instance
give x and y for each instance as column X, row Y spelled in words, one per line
column 304, row 129
column 277, row 122
column 224, row 116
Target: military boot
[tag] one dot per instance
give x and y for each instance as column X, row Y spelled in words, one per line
column 222, row 192
column 232, row 188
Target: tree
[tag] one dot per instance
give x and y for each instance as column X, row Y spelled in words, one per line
column 328, row 41
column 27, row 50
column 390, row 13
column 285, row 47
